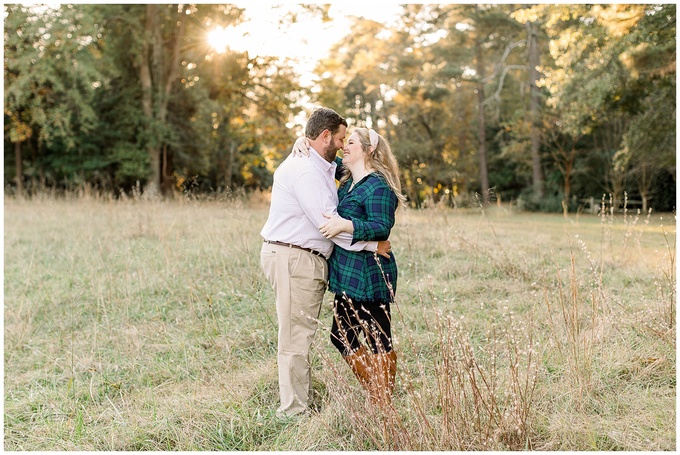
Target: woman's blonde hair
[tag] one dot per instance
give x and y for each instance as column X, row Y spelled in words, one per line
column 381, row 159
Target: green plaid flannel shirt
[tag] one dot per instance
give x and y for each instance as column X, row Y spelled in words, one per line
column 371, row 206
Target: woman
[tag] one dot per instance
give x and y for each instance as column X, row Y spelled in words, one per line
column 364, row 285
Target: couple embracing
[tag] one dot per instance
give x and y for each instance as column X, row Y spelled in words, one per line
column 319, row 235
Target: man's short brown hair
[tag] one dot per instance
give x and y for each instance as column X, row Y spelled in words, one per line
column 323, row 119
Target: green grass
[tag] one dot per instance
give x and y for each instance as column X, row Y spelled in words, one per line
column 139, row 325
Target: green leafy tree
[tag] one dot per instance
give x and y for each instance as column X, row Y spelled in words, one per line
column 614, row 71
column 52, row 71
column 563, row 100
column 157, row 39
column 649, row 143
column 532, row 17
column 480, row 39
column 247, row 103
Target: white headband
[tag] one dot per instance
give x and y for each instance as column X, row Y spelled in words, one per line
column 373, row 137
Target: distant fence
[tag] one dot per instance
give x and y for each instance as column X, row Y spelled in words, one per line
column 593, row 205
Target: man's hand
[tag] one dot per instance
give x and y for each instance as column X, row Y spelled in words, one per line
column 301, row 147
column 384, row 248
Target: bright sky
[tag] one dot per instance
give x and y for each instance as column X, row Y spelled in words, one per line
column 306, row 40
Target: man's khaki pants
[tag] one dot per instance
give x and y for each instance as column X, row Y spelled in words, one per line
column 299, row 281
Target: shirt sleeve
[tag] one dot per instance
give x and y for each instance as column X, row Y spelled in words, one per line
column 308, row 189
column 339, row 169
column 347, row 242
column 380, row 205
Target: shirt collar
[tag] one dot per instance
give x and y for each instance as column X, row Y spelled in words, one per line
column 320, row 162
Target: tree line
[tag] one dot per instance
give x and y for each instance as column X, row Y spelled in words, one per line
column 547, row 106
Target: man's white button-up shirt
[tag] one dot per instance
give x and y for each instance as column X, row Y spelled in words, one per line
column 303, row 190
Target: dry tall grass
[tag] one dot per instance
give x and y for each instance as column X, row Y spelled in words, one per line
column 147, row 325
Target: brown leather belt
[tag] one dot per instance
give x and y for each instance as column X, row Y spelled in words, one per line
column 290, row 245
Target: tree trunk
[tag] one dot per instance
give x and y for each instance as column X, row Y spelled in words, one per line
column 230, row 165
column 645, row 176
column 174, row 65
column 567, row 168
column 157, row 73
column 43, row 178
column 153, row 185
column 567, row 187
column 19, row 169
column 532, row 45
column 567, row 183
column 413, row 187
column 481, row 129
column 168, row 183
column 221, row 173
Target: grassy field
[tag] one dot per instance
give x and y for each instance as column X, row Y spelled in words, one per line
column 138, row 325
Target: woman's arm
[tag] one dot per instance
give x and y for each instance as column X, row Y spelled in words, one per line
column 335, row 225
column 339, row 169
column 338, row 224
column 301, row 147
column 380, row 206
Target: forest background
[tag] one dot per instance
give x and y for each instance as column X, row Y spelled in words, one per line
column 545, row 106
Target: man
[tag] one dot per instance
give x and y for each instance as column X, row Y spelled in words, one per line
column 294, row 252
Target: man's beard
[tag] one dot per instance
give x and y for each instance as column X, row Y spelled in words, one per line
column 330, row 153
